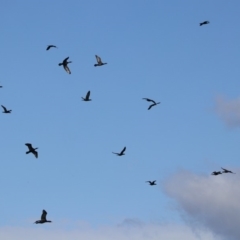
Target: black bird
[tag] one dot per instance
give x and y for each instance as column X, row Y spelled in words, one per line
column 5, row 110
column 99, row 61
column 31, row 150
column 226, row 171
column 43, row 218
column 1, row 86
column 205, row 22
column 216, row 173
column 121, row 153
column 87, row 97
column 65, row 65
column 152, row 182
column 150, row 100
column 50, row 46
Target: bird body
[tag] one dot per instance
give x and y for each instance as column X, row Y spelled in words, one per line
column 216, row 173
column 87, row 97
column 99, row 61
column 43, row 218
column 31, row 150
column 150, row 100
column 65, row 63
column 121, row 153
column 152, row 183
column 203, row 23
column 5, row 110
column 50, row 46
column 226, row 171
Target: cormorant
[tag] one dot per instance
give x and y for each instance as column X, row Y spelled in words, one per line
column 121, row 153
column 31, row 150
column 50, row 46
column 87, row 97
column 43, row 218
column 216, row 173
column 65, row 65
column 205, row 22
column 5, row 110
column 226, row 171
column 99, row 61
column 150, row 100
column 152, row 182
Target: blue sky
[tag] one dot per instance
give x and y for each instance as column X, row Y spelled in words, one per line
column 154, row 49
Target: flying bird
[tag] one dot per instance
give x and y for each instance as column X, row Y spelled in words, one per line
column 152, row 182
column 121, row 153
column 31, row 150
column 226, row 171
column 50, row 46
column 203, row 23
column 216, row 173
column 99, row 61
column 65, row 65
column 43, row 218
column 5, row 110
column 1, row 86
column 150, row 100
column 87, row 97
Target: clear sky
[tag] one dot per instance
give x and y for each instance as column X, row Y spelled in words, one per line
column 153, row 49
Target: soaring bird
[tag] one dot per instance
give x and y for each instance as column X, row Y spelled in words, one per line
column 226, row 171
column 5, row 110
column 121, row 153
column 43, row 218
column 99, row 61
column 1, row 86
column 216, row 173
column 87, row 97
column 152, row 182
column 205, row 22
column 65, row 65
column 150, row 100
column 50, row 46
column 31, row 150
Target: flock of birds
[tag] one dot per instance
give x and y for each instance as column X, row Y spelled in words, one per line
column 99, row 63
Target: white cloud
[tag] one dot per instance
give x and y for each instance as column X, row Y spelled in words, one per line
column 228, row 110
column 209, row 201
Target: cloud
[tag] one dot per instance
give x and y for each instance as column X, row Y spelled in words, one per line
column 228, row 111
column 124, row 231
column 208, row 201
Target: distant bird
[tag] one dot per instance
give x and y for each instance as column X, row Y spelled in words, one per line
column 121, row 153
column 43, row 218
column 50, row 46
column 87, row 97
column 226, row 171
column 31, row 150
column 5, row 110
column 1, row 86
column 216, row 173
column 65, row 65
column 150, row 100
column 205, row 22
column 99, row 61
column 152, row 182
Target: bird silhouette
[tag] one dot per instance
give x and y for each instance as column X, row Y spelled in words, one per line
column 51, row 46
column 65, row 65
column 1, row 86
column 87, row 97
column 203, row 23
column 226, row 171
column 31, row 150
column 43, row 218
column 216, row 173
column 99, row 61
column 5, row 110
column 150, row 100
column 152, row 182
column 121, row 153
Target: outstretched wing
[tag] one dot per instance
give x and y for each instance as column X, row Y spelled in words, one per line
column 88, row 95
column 35, row 154
column 151, row 106
column 98, row 59
column 4, row 108
column 44, row 215
column 67, row 69
column 65, row 60
column 123, row 150
column 29, row 145
column 149, row 100
column 224, row 169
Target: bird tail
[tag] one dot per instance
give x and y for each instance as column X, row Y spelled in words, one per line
column 60, row 64
column 28, row 152
column 200, row 24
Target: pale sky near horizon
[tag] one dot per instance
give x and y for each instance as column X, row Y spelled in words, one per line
column 153, row 49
